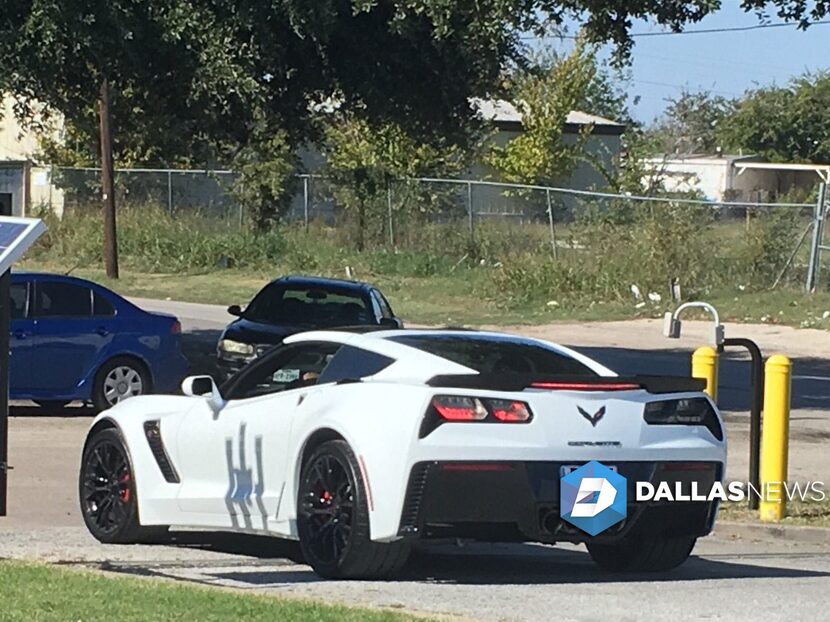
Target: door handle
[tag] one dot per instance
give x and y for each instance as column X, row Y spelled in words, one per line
column 20, row 334
column 102, row 331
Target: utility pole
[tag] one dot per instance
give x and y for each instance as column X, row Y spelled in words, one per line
column 107, row 183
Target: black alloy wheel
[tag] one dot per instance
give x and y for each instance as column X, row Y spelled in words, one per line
column 333, row 519
column 107, row 492
column 327, row 509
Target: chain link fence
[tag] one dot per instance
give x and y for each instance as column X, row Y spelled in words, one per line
column 767, row 240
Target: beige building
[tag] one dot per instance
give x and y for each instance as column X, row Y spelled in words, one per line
column 24, row 184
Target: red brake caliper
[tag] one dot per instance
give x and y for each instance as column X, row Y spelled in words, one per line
column 124, row 480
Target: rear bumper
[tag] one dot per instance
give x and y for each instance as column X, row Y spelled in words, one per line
column 519, row 501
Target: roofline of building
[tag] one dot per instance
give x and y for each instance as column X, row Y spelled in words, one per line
column 604, row 129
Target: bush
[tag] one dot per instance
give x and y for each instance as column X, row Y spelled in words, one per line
column 600, row 255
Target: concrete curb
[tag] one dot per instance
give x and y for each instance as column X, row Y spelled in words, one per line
column 757, row 531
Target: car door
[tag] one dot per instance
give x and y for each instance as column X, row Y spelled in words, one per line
column 68, row 339
column 20, row 339
column 232, row 463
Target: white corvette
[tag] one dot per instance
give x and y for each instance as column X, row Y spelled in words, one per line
column 359, row 443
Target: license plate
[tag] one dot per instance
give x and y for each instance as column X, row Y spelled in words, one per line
column 566, row 469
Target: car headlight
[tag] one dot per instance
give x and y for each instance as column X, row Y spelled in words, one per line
column 235, row 347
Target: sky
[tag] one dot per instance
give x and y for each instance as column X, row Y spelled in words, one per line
column 726, row 63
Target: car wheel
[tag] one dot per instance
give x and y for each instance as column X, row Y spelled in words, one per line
column 107, row 492
column 118, row 379
column 51, row 404
column 642, row 553
column 333, row 519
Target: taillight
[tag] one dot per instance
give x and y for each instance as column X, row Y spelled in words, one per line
column 457, row 408
column 506, row 410
column 688, row 411
column 176, row 329
column 463, row 408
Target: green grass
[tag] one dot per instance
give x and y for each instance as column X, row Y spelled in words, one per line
column 804, row 513
column 39, row 592
column 505, row 275
column 457, row 298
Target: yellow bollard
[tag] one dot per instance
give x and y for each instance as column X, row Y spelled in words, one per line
column 775, row 438
column 705, row 366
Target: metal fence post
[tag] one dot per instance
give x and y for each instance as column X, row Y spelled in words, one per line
column 389, row 212
column 815, row 246
column 552, row 228
column 51, row 185
column 170, row 192
column 305, row 202
column 470, row 204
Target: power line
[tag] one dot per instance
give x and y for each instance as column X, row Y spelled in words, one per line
column 681, row 86
column 699, row 31
column 704, row 31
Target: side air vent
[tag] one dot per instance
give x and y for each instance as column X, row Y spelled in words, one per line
column 152, row 431
column 414, row 495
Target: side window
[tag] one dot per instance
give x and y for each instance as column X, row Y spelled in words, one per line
column 352, row 363
column 18, row 295
column 376, row 309
column 55, row 299
column 297, row 366
column 101, row 307
column 385, row 309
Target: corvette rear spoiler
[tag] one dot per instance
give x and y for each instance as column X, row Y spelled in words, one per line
column 520, row 382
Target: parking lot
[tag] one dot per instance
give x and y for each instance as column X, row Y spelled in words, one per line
column 475, row 581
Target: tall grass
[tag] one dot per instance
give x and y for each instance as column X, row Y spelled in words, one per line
column 599, row 255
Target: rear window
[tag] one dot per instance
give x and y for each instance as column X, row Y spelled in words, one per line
column 497, row 355
column 277, row 304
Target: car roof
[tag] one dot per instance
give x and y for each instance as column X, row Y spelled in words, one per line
column 30, row 275
column 323, row 282
column 54, row 276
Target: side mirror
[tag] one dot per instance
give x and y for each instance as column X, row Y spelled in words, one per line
column 390, row 322
column 204, row 386
column 235, row 310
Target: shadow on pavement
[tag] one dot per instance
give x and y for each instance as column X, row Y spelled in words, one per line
column 264, row 547
column 30, row 409
column 199, row 347
column 473, row 564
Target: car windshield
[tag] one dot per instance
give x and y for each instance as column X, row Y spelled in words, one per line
column 492, row 354
column 314, row 306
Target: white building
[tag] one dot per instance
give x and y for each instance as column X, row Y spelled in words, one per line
column 734, row 177
column 23, row 184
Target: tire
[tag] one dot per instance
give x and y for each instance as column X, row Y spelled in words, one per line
column 106, row 489
column 642, row 553
column 119, row 378
column 52, row 404
column 333, row 519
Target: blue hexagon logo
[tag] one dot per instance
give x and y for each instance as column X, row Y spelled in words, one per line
column 592, row 497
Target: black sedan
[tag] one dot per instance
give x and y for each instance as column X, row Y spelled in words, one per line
column 294, row 304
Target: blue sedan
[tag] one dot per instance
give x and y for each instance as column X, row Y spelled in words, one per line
column 72, row 339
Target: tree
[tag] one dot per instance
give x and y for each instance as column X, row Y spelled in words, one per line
column 789, row 124
column 266, row 175
column 545, row 94
column 190, row 78
column 363, row 160
column 691, row 124
column 74, row 57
